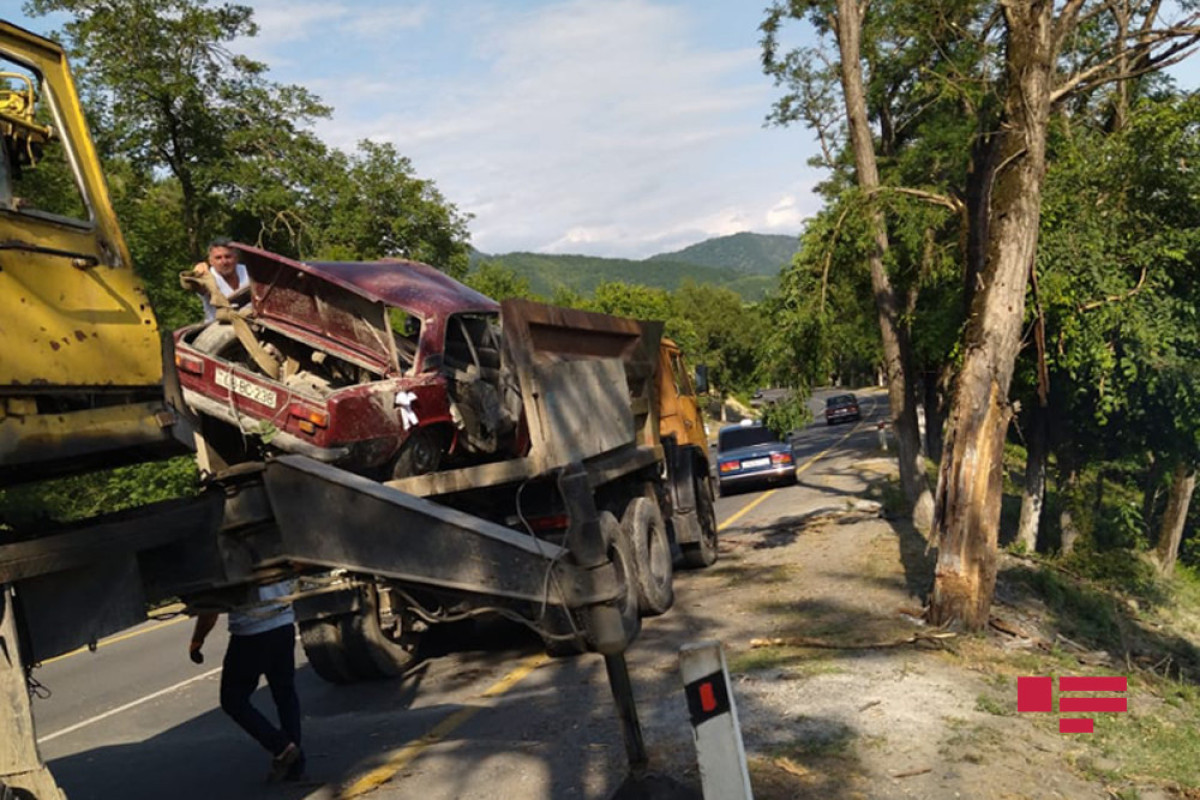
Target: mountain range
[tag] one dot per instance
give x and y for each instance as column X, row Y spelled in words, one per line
column 747, row 263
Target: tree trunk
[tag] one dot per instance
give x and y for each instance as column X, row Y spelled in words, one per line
column 1068, row 481
column 933, row 415
column 1183, row 483
column 897, row 350
column 970, row 481
column 1151, row 491
column 1034, row 495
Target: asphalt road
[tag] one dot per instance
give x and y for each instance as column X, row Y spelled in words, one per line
column 137, row 720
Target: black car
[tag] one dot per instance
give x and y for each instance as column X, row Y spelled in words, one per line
column 842, row 408
column 751, row 454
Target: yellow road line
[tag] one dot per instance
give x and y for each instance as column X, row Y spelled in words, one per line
column 746, row 508
column 400, row 758
column 115, row 639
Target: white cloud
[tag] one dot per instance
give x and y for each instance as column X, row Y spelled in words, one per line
column 585, row 126
column 786, row 214
column 379, row 23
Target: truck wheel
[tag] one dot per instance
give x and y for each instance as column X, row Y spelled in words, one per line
column 379, row 640
column 621, row 554
column 322, row 640
column 703, row 553
column 644, row 525
column 419, row 455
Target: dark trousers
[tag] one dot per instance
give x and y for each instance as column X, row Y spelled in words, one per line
column 248, row 658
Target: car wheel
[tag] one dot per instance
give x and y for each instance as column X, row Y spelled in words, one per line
column 419, row 455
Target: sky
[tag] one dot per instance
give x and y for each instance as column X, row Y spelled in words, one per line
column 618, row 128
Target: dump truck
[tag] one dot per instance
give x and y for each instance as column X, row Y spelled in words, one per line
column 575, row 537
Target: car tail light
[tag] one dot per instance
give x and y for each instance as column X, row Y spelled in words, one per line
column 189, row 364
column 309, row 420
column 729, row 466
column 781, row 458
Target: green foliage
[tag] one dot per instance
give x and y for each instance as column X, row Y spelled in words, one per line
column 498, row 283
column 33, row 507
column 754, row 253
column 788, row 414
column 547, row 274
column 377, row 207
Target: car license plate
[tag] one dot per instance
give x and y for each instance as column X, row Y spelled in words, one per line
column 756, row 462
column 245, row 388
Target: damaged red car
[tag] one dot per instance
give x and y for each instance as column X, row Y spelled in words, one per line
column 387, row 368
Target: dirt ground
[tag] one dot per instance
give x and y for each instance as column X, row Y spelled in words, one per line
column 859, row 698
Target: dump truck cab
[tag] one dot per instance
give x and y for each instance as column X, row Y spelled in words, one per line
column 80, row 355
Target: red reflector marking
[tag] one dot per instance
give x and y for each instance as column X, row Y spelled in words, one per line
column 708, row 701
column 1090, row 684
column 1035, row 694
column 1075, row 725
column 1091, row 705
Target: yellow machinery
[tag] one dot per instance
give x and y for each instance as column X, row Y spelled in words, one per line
column 80, row 354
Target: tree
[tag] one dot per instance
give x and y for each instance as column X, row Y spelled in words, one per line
column 373, row 205
column 969, row 483
column 845, row 20
column 498, row 283
column 164, row 93
column 1007, row 65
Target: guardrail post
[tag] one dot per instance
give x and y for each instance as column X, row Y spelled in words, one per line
column 719, row 750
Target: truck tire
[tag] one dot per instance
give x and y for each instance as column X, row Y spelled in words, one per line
column 704, row 553
column 419, row 455
column 621, row 554
column 322, row 640
column 647, row 531
column 379, row 641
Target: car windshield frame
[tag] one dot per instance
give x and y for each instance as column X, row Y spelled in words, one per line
column 747, row 436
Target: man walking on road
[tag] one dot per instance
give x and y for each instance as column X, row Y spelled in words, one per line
column 261, row 643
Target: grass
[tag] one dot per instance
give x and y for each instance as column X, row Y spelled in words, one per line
column 1158, row 743
column 798, row 662
column 996, row 706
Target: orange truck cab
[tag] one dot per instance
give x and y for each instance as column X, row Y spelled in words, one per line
column 682, row 431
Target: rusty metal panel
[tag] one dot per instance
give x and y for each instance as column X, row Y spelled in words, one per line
column 330, row 517
column 581, row 376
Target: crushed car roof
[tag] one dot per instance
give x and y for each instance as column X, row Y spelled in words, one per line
column 395, row 282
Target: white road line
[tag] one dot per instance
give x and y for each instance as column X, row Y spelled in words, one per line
column 126, row 707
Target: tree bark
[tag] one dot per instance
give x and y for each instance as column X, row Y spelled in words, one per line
column 1151, row 491
column 1183, row 483
column 970, row 481
column 1068, row 482
column 897, row 349
column 933, row 414
column 1033, row 497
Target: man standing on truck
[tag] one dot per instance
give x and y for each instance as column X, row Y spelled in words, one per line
column 261, row 643
column 229, row 275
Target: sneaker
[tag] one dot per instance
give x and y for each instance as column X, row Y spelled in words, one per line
column 283, row 763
